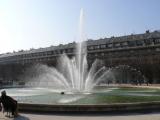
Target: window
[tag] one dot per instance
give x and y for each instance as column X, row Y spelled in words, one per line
column 140, row 42
column 44, row 53
column 34, row 54
column 157, row 41
column 117, row 45
column 53, row 52
column 49, row 52
column 61, row 51
column 103, row 46
column 58, row 51
column 148, row 41
column 65, row 50
column 90, row 47
column 110, row 45
column 97, row 47
column 24, row 55
column 124, row 44
column 41, row 54
column 131, row 43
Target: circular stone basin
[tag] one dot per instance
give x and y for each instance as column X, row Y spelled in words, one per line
column 99, row 95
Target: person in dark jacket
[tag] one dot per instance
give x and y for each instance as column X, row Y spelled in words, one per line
column 9, row 104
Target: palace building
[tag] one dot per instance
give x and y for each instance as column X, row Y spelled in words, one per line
column 139, row 51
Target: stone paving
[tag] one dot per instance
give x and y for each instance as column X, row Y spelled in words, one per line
column 25, row 116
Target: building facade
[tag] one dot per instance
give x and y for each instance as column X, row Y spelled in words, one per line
column 139, row 51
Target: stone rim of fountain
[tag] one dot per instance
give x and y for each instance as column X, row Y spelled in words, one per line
column 109, row 108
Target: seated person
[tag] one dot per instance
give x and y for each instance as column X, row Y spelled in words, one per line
column 9, row 104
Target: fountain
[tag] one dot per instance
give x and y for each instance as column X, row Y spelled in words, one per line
column 73, row 74
column 73, row 86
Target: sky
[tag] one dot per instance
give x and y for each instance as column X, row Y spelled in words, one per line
column 26, row 24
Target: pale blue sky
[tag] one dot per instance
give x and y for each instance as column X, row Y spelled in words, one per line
column 40, row 23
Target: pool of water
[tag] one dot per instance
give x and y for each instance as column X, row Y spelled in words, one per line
column 99, row 95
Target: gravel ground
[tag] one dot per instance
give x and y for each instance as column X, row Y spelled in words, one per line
column 26, row 116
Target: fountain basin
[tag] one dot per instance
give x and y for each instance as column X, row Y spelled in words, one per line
column 107, row 108
column 99, row 95
column 102, row 99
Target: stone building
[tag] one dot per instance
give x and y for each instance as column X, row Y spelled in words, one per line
column 139, row 52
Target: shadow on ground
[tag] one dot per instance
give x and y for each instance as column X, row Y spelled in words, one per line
column 20, row 117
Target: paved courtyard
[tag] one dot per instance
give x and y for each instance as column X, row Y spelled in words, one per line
column 150, row 116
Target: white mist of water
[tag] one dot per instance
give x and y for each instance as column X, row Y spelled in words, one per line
column 73, row 74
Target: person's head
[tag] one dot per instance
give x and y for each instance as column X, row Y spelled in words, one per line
column 3, row 93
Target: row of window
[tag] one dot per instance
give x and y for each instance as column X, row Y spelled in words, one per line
column 126, row 44
column 37, row 60
column 101, row 54
column 102, row 46
column 38, row 54
column 28, row 60
column 127, row 53
column 46, row 53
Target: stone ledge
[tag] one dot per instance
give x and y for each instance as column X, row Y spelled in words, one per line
column 117, row 107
